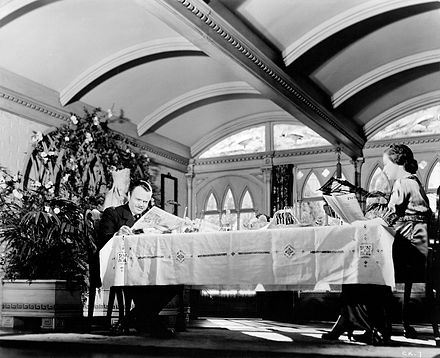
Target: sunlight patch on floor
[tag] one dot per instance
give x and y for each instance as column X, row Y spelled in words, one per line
column 401, row 339
column 271, row 336
column 235, row 326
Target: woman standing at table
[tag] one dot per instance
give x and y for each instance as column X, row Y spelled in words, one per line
column 409, row 214
column 367, row 306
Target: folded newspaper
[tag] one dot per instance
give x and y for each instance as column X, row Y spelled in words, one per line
column 346, row 206
column 157, row 220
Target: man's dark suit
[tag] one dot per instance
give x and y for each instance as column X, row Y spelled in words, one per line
column 148, row 300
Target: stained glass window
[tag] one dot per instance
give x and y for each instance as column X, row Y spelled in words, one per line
column 251, row 140
column 211, row 204
column 211, row 214
column 434, row 177
column 229, row 201
column 424, row 122
column 379, row 182
column 433, row 184
column 311, row 187
column 291, row 136
column 247, row 203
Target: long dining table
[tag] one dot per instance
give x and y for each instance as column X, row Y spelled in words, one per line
column 288, row 257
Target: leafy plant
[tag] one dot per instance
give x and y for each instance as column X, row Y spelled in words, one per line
column 44, row 228
column 44, row 237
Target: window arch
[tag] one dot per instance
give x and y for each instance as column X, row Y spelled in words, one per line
column 247, row 209
column 251, row 140
column 312, row 202
column 311, row 186
column 379, row 181
column 290, row 136
column 229, row 215
column 211, row 210
column 433, row 184
column 423, row 122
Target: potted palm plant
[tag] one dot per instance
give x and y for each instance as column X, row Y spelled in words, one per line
column 43, row 231
column 45, row 252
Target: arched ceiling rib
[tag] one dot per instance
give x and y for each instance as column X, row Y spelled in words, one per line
column 9, row 8
column 382, row 72
column 339, row 22
column 138, row 51
column 190, row 98
column 344, row 68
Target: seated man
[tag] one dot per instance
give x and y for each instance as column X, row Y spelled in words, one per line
column 148, row 300
column 118, row 220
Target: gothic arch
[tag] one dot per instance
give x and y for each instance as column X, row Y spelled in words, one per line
column 306, row 181
column 206, row 200
column 242, row 196
column 225, row 194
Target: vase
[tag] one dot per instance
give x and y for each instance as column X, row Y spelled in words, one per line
column 51, row 303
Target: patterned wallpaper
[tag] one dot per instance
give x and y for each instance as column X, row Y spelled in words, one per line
column 15, row 136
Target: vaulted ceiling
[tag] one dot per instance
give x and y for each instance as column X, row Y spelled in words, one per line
column 184, row 69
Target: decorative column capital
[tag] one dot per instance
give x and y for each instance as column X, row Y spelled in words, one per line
column 190, row 169
column 358, row 162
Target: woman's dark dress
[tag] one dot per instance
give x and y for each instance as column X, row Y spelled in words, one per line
column 367, row 307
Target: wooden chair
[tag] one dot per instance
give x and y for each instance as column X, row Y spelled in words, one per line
column 92, row 225
column 433, row 271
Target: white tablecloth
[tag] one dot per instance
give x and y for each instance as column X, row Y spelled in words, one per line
column 356, row 253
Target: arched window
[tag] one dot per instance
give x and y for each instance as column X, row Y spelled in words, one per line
column 251, row 140
column 312, row 202
column 247, row 211
column 378, row 182
column 291, row 136
column 229, row 217
column 311, row 187
column 433, row 184
column 422, row 122
column 211, row 214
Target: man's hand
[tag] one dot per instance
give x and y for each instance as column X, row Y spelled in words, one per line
column 124, row 230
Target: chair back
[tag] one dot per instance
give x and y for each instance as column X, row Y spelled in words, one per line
column 92, row 219
column 433, row 268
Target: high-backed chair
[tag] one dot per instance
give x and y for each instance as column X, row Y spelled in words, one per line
column 92, row 225
column 433, row 271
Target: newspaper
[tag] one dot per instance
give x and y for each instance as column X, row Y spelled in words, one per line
column 159, row 220
column 346, row 206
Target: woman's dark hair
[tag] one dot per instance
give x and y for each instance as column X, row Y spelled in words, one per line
column 401, row 154
column 144, row 184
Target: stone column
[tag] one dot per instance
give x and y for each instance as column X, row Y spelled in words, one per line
column 189, row 185
column 358, row 176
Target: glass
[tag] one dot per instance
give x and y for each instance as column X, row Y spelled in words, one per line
column 248, row 141
column 311, row 188
column 290, row 136
column 211, row 204
column 434, row 177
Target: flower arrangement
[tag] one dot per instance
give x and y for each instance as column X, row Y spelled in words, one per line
column 44, row 228
column 81, row 155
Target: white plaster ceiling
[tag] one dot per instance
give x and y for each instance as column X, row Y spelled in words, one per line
column 362, row 63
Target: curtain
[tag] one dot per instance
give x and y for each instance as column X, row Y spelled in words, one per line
column 282, row 186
